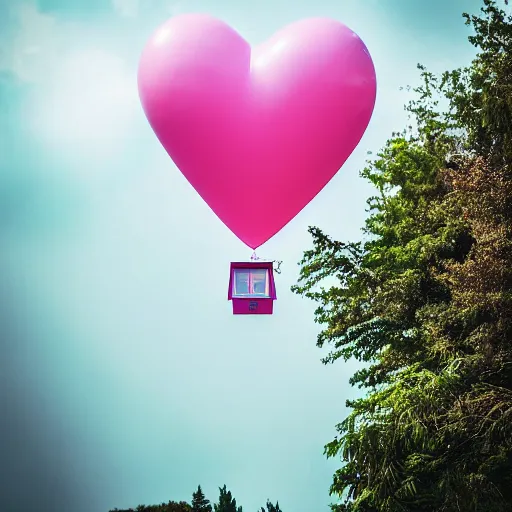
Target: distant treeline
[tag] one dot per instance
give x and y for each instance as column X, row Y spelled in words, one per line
column 225, row 503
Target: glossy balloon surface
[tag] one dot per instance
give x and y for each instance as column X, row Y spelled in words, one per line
column 257, row 132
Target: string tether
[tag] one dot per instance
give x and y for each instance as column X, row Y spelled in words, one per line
column 277, row 263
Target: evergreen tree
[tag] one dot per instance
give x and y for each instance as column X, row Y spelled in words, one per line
column 425, row 301
column 171, row 506
column 199, row 501
column 271, row 508
column 226, row 502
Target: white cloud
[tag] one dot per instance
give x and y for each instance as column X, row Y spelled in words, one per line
column 128, row 8
column 132, row 8
column 26, row 55
column 177, row 7
column 89, row 105
column 84, row 99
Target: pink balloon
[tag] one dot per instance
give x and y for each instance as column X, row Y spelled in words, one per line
column 258, row 133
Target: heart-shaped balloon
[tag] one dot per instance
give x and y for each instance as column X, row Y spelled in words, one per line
column 258, row 133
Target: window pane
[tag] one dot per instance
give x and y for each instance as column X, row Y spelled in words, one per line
column 251, row 282
column 259, row 281
column 241, row 282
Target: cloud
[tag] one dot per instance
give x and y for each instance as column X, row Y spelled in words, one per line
column 84, row 96
column 134, row 8
column 27, row 53
column 177, row 7
column 128, row 8
column 89, row 105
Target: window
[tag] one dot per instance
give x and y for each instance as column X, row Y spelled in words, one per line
column 251, row 282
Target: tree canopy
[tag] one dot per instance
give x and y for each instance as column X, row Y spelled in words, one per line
column 199, row 501
column 425, row 302
column 226, row 503
column 271, row 507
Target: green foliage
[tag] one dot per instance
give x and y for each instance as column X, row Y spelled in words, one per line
column 199, row 501
column 226, row 502
column 271, row 508
column 171, row 506
column 425, row 301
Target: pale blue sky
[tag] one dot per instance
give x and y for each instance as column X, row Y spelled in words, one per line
column 124, row 377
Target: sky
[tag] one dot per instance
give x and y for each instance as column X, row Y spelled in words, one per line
column 124, row 377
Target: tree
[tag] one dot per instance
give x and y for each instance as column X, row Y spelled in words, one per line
column 271, row 508
column 174, row 506
column 425, row 300
column 199, row 501
column 226, row 502
column 171, row 506
column 199, row 504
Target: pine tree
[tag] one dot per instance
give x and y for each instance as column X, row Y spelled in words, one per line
column 271, row 507
column 199, row 501
column 226, row 502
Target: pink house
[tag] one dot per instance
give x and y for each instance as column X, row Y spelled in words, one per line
column 251, row 288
